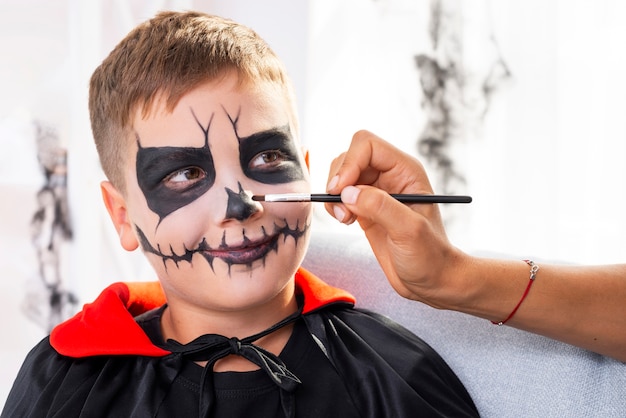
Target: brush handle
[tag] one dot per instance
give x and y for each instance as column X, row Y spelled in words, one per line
column 335, row 198
column 404, row 198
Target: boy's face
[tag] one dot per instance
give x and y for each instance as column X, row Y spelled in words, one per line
column 189, row 187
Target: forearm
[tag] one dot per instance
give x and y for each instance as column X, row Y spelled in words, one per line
column 583, row 306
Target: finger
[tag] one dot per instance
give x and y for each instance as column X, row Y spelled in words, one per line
column 368, row 160
column 340, row 212
column 373, row 206
column 337, row 210
column 335, row 164
column 354, row 164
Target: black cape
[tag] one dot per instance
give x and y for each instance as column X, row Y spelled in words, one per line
column 101, row 363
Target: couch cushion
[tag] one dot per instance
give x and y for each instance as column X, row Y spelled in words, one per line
column 508, row 372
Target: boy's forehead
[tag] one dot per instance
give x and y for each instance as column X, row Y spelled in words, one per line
column 241, row 108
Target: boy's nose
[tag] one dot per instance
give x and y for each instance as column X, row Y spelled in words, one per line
column 240, row 205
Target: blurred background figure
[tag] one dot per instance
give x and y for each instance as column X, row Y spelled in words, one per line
column 49, row 303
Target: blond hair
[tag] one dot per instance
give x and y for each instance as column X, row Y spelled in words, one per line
column 166, row 57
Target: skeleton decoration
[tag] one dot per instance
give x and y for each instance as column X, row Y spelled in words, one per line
column 50, row 303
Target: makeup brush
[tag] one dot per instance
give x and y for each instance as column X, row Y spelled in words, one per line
column 321, row 197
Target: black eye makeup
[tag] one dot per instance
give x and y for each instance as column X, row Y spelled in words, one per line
column 270, row 157
column 173, row 177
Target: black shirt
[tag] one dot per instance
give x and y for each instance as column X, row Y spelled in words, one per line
column 240, row 394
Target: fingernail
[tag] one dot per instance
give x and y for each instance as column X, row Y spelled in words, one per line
column 350, row 194
column 339, row 213
column 332, row 183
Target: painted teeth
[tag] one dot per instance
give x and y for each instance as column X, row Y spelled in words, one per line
column 254, row 251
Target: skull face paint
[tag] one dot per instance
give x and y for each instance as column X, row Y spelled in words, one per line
column 246, row 254
column 172, row 177
column 189, row 195
column 269, row 157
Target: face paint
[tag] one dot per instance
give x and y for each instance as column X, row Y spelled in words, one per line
column 240, row 205
column 246, row 253
column 270, row 157
column 203, row 260
column 173, row 177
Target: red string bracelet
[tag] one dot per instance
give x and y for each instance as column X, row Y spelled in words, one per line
column 534, row 268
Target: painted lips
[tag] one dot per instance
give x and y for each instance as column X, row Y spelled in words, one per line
column 246, row 254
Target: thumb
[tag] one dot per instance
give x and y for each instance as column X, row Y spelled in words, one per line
column 374, row 206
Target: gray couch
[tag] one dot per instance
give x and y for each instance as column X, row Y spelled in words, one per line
column 509, row 373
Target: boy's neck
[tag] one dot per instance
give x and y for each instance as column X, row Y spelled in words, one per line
column 184, row 324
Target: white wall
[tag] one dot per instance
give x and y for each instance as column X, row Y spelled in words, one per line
column 546, row 168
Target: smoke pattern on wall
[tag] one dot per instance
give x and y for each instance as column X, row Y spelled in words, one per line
column 456, row 92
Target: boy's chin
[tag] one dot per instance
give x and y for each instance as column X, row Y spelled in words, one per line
column 244, row 287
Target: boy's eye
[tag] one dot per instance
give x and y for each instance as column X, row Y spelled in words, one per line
column 271, row 157
column 184, row 178
column 267, row 160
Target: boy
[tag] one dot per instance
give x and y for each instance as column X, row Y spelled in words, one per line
column 191, row 114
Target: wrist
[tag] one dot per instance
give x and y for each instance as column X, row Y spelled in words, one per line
column 451, row 286
column 464, row 283
column 490, row 288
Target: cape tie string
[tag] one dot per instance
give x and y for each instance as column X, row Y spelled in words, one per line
column 212, row 347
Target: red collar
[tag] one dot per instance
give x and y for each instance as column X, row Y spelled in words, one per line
column 107, row 326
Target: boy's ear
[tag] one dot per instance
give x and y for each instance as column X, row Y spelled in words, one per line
column 116, row 206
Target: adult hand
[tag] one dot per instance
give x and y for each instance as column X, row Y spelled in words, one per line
column 409, row 240
column 581, row 305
